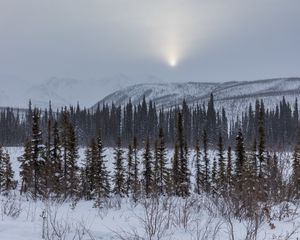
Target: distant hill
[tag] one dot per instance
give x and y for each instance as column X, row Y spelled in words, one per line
column 233, row 96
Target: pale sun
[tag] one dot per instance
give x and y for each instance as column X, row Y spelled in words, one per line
column 172, row 62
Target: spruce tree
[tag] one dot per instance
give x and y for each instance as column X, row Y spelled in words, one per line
column 70, row 176
column 84, row 185
column 240, row 160
column 252, row 180
column 175, row 171
column 101, row 175
column 221, row 167
column 214, row 180
column 206, row 179
column 261, row 135
column 184, row 174
column 198, row 168
column 56, row 161
column 296, row 169
column 163, row 171
column 229, row 178
column 277, row 186
column 119, row 174
column 32, row 163
column 26, row 169
column 72, row 167
column 7, row 182
column 156, row 173
column 211, row 120
column 37, row 161
column 254, row 157
column 136, row 186
column 147, row 173
column 130, row 171
column 48, row 171
column 87, row 179
column 263, row 167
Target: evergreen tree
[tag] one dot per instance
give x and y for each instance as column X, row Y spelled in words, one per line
column 101, row 177
column 214, row 180
column 147, row 173
column 37, row 161
column 70, row 156
column 87, row 176
column 229, row 170
column 198, row 168
column 56, row 162
column 296, row 169
column 156, row 174
column 135, row 181
column 32, row 162
column 184, row 174
column 46, row 155
column 206, row 179
column 261, row 135
column 7, row 182
column 119, row 175
column 72, row 167
column 221, row 168
column 263, row 167
column 240, row 160
column 26, row 169
column 162, row 169
column 252, row 180
column 211, row 119
column 175, row 171
column 130, row 170
column 296, row 114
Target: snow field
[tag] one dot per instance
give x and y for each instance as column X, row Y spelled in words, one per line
column 194, row 218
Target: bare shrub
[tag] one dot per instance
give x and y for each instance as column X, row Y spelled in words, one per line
column 10, row 207
column 253, row 225
column 56, row 227
column 288, row 235
column 155, row 219
column 154, row 223
column 31, row 210
column 183, row 213
column 205, row 229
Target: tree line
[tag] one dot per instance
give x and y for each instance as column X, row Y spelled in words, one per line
column 247, row 175
column 145, row 121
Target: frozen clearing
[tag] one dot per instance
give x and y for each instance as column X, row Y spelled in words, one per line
column 64, row 221
column 172, row 219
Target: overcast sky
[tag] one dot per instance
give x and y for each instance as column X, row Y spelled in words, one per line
column 208, row 40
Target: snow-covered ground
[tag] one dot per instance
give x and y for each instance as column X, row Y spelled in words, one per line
column 65, row 221
column 172, row 219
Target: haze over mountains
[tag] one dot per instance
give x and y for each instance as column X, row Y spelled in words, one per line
column 234, row 96
column 61, row 91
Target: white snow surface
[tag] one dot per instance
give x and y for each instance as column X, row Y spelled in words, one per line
column 108, row 223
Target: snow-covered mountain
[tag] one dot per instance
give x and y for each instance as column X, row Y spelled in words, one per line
column 234, row 96
column 60, row 91
column 69, row 91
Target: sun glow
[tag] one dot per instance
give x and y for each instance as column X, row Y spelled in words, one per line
column 172, row 54
column 177, row 35
column 172, row 62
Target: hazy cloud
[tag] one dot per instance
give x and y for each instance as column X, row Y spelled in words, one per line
column 209, row 40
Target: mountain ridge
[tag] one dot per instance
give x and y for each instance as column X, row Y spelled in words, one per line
column 234, row 96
